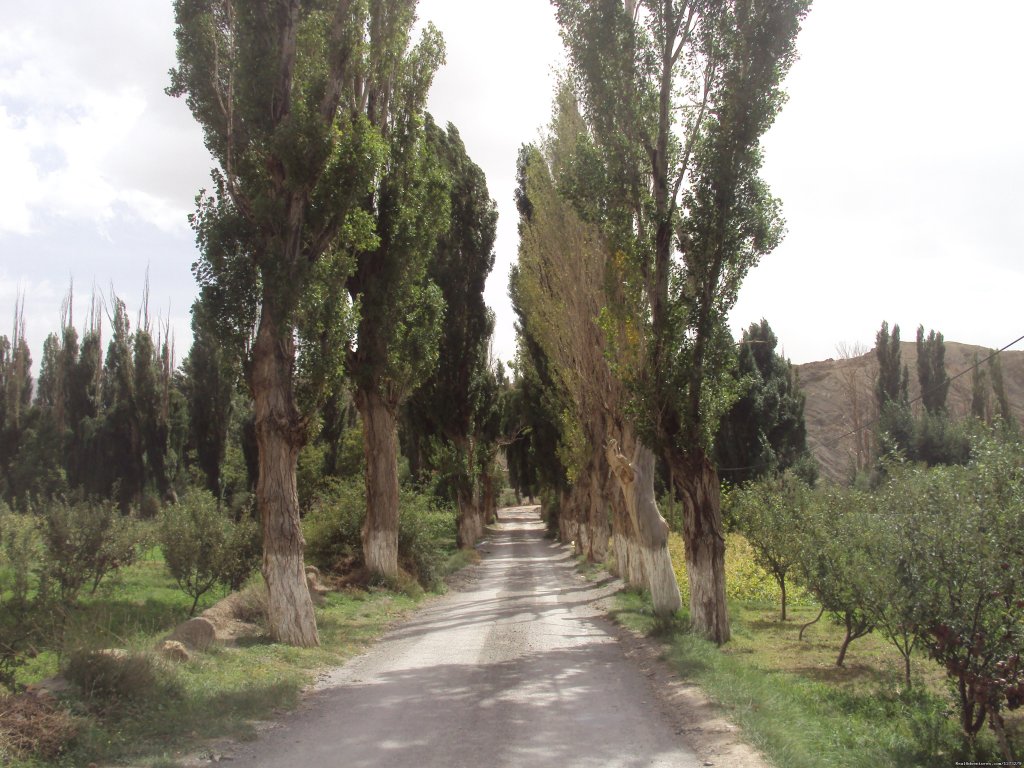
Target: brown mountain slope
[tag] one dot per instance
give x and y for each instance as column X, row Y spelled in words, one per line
column 840, row 397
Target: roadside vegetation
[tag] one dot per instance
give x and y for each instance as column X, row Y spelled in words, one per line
column 120, row 697
column 904, row 632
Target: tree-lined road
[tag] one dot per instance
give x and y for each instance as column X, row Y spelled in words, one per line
column 519, row 669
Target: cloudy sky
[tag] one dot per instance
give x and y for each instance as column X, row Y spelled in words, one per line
column 898, row 160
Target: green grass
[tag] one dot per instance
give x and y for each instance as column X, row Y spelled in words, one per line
column 795, row 705
column 216, row 694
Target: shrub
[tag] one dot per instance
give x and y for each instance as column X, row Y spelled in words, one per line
column 84, row 541
column 202, row 546
column 111, row 681
column 19, row 556
column 332, row 527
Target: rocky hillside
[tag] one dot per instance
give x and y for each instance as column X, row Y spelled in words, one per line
column 840, row 397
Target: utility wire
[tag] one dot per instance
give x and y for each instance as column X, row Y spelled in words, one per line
column 873, row 422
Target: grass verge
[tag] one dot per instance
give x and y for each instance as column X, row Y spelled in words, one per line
column 797, row 707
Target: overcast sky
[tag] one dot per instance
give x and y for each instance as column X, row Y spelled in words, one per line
column 898, row 160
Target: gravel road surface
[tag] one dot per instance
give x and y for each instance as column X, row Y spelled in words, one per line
column 517, row 668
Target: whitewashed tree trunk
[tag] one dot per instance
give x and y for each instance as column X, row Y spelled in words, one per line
column 636, row 477
column 697, row 482
column 380, row 445
column 279, row 437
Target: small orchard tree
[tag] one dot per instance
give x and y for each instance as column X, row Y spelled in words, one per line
column 769, row 513
column 829, row 562
column 203, row 547
column 963, row 565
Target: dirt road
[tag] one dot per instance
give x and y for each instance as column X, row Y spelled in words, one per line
column 517, row 669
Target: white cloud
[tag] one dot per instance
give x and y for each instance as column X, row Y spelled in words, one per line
column 87, row 133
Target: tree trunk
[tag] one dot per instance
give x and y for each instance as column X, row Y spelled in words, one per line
column 782, row 589
column 697, row 484
column 279, row 437
column 628, row 564
column 380, row 445
column 488, row 499
column 636, row 477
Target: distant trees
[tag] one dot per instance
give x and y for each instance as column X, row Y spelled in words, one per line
column 763, row 432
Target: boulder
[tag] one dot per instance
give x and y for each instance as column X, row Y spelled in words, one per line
column 172, row 650
column 196, row 634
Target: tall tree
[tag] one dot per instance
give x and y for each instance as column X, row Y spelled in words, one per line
column 281, row 90
column 893, row 381
column 677, row 95
column 210, row 376
column 764, row 430
column 981, row 400
column 931, row 370
column 122, row 434
column 892, row 394
column 400, row 308
column 450, row 403
column 1001, row 401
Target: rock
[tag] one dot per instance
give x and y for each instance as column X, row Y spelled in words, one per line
column 173, row 650
column 196, row 634
column 315, row 591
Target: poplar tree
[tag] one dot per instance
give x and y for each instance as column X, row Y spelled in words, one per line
column 931, row 370
column 400, row 308
column 677, row 95
column 450, row 407
column 285, row 92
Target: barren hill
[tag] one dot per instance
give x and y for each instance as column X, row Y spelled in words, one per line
column 840, row 397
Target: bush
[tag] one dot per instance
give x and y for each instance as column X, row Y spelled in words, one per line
column 19, row 557
column 83, row 542
column 111, row 681
column 332, row 527
column 202, row 546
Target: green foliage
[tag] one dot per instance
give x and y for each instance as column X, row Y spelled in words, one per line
column 84, row 541
column 449, row 411
column 830, row 559
column 426, row 532
column 893, row 377
column 770, row 513
column 931, row 370
column 203, row 547
column 764, row 430
column 964, row 565
column 19, row 553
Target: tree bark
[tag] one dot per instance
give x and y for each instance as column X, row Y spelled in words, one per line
column 597, row 517
column 697, row 484
column 628, row 563
column 636, row 477
column 279, row 438
column 380, row 445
